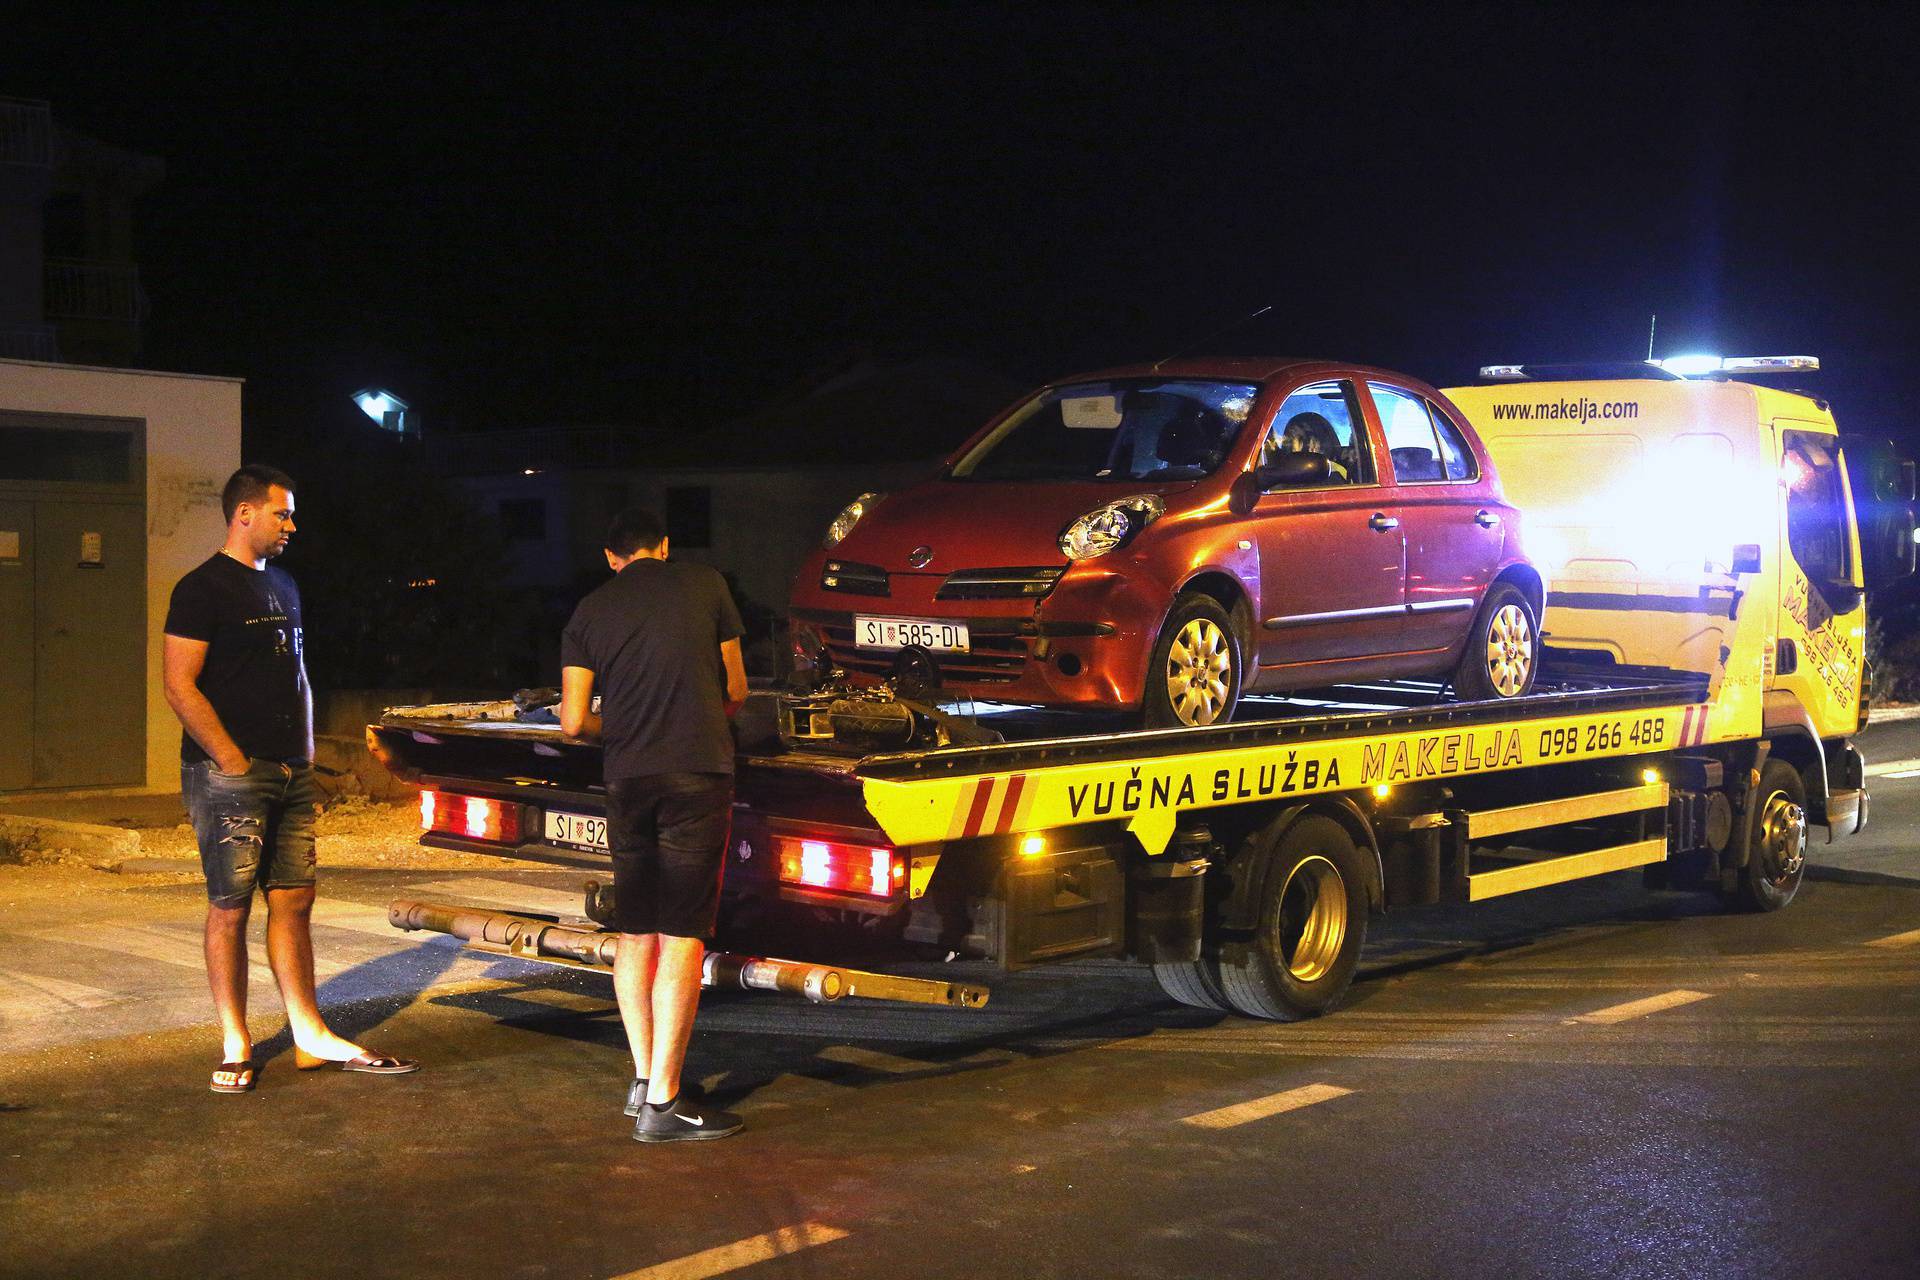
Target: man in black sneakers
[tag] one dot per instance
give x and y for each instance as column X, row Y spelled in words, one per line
column 662, row 644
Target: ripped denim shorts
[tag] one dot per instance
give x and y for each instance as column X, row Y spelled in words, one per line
column 254, row 828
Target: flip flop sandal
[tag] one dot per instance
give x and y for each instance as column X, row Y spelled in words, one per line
column 243, row 1068
column 374, row 1064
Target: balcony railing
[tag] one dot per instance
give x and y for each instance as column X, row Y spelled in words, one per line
column 26, row 132
column 82, row 290
column 28, row 342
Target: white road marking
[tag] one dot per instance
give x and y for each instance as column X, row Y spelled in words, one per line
column 1909, row 939
column 1888, row 768
column 1639, row 1008
column 504, row 895
column 1260, row 1108
column 31, row 993
column 1903, row 773
column 741, row 1253
column 358, row 919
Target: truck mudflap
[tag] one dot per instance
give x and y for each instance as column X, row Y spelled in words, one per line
column 587, row 947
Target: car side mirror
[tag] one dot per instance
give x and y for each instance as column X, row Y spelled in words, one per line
column 1842, row 597
column 1293, row 469
column 1746, row 558
column 1244, row 493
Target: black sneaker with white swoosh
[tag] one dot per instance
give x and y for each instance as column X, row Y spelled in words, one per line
column 683, row 1120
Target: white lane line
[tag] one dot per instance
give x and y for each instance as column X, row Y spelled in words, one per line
column 1893, row 767
column 1909, row 939
column 1903, row 773
column 1272, row 1105
column 50, row 994
column 1639, row 1008
column 741, row 1253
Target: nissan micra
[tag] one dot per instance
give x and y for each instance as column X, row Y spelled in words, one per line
column 1169, row 538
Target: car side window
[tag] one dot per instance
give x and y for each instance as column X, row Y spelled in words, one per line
column 1322, row 418
column 1411, row 441
column 1453, row 446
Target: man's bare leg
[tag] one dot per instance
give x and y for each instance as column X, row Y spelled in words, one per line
column 676, row 997
column 226, row 951
column 290, row 952
column 633, row 974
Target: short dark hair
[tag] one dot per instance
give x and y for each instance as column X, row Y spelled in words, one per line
column 635, row 529
column 250, row 484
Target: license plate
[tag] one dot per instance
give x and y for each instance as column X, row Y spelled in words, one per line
column 577, row 829
column 898, row 633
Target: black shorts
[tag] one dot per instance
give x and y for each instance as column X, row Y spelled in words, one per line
column 668, row 836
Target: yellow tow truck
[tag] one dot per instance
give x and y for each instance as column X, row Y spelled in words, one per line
column 1707, row 555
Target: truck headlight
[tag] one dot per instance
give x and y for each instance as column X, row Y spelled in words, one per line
column 1106, row 528
column 850, row 516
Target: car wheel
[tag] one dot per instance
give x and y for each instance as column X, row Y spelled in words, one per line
column 1313, row 922
column 1195, row 676
column 1503, row 648
column 1776, row 840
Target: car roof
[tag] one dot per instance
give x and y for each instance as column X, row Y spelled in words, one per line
column 1239, row 368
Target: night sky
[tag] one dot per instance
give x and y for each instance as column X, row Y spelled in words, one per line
column 645, row 215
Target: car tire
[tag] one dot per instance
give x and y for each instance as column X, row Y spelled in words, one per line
column 1312, row 924
column 1193, row 982
column 1503, row 648
column 1776, row 833
column 1196, row 672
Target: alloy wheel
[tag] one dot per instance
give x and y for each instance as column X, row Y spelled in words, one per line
column 1313, row 918
column 1509, row 650
column 1199, row 672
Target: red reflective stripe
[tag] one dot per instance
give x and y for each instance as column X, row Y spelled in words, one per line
column 982, row 792
column 1686, row 729
column 1700, row 729
column 1010, row 804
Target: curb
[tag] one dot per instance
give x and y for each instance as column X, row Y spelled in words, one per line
column 1892, row 715
column 51, row 835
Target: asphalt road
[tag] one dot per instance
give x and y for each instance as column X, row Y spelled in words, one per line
column 1590, row 1080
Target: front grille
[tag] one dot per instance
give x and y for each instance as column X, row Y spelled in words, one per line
column 997, row 657
column 999, row 584
column 854, row 579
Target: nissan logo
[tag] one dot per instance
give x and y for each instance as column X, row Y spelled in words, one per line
column 920, row 557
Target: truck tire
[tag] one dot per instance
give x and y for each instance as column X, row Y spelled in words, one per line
column 1313, row 921
column 1193, row 982
column 1776, row 832
column 1196, row 672
column 1503, row 647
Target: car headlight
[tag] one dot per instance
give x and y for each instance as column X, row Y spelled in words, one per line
column 1105, row 528
column 850, row 516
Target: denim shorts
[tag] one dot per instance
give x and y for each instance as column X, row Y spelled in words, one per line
column 255, row 829
column 668, row 833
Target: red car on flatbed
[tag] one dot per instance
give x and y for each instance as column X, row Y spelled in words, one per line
column 1170, row 537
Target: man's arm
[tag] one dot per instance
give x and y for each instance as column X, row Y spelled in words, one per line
column 736, row 673
column 182, row 660
column 577, row 719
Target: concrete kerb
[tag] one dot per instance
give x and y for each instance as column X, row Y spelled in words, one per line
column 100, row 845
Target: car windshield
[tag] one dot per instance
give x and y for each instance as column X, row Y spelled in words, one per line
column 1128, row 429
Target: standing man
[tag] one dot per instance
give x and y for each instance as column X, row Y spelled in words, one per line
column 663, row 642
column 236, row 678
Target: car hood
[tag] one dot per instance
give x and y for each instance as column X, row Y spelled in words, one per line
column 985, row 525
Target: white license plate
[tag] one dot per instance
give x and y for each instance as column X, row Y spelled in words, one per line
column 577, row 829
column 898, row 633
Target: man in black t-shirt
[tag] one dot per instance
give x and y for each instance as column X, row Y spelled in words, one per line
column 662, row 644
column 237, row 678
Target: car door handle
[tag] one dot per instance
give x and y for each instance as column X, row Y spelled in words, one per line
column 1382, row 522
column 1485, row 519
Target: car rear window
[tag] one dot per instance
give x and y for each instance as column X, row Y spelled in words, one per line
column 1425, row 446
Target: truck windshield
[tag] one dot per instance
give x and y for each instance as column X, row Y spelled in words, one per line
column 1125, row 430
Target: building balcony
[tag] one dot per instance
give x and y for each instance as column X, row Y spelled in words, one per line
column 29, row 342
column 26, row 132
column 78, row 289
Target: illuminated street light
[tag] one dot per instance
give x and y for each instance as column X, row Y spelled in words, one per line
column 387, row 410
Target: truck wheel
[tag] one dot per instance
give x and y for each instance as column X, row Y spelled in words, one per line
column 1503, row 648
column 1193, row 982
column 1313, row 920
column 1195, row 675
column 1776, row 840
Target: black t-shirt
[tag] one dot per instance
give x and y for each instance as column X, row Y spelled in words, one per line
column 652, row 639
column 254, row 675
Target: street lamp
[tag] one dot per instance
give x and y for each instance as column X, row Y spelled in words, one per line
column 387, row 410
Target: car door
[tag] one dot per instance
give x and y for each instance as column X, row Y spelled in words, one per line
column 1452, row 521
column 1331, row 564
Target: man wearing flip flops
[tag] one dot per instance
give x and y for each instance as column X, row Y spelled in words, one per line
column 237, row 679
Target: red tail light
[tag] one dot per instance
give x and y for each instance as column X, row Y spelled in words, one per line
column 474, row 817
column 873, row 870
